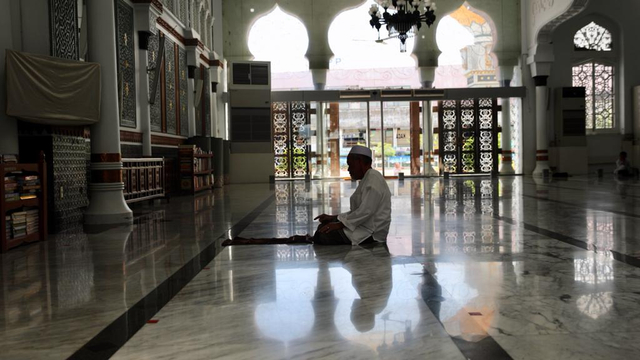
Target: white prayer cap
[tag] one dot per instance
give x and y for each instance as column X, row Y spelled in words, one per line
column 361, row 150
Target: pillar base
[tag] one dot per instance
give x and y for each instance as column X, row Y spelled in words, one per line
column 218, row 181
column 541, row 166
column 507, row 165
column 107, row 205
column 430, row 171
column 542, row 163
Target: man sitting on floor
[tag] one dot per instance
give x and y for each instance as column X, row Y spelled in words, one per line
column 370, row 214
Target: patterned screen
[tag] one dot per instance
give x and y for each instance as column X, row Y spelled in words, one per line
column 126, row 63
column 290, row 139
column 206, row 92
column 64, row 28
column 597, row 79
column 156, row 108
column 170, row 85
column 182, row 82
column 199, row 107
column 488, row 142
column 449, row 135
column 468, row 143
column 280, row 117
column 299, row 121
column 592, row 37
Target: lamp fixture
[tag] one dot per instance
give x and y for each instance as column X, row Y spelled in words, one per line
column 405, row 21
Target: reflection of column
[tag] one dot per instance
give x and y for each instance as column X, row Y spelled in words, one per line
column 107, row 204
column 542, row 142
column 506, row 73
column 334, row 143
column 414, row 131
column 417, row 223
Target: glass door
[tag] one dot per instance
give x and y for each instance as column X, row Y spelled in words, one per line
column 375, row 135
column 396, row 138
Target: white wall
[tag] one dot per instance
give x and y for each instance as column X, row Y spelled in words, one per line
column 251, row 167
column 622, row 21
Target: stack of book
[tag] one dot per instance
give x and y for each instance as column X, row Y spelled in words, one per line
column 186, row 164
column 11, row 189
column 29, row 186
column 32, row 221
column 19, row 224
column 7, row 225
column 8, row 159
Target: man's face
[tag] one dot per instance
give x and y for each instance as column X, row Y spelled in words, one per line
column 355, row 167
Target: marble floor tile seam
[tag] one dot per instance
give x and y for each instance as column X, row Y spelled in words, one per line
column 210, row 250
column 582, row 206
column 604, row 187
column 625, row 258
column 568, row 346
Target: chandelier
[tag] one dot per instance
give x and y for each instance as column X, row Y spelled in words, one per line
column 405, row 21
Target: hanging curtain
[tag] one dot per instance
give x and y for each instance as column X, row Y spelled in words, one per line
column 52, row 91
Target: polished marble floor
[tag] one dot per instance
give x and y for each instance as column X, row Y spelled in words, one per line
column 476, row 268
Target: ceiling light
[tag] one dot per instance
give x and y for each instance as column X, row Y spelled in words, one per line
column 406, row 18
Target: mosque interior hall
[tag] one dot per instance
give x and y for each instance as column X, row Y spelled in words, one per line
column 172, row 170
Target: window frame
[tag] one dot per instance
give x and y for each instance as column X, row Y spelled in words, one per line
column 614, row 113
column 598, row 57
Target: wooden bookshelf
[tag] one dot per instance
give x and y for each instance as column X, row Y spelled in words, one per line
column 11, row 174
column 196, row 169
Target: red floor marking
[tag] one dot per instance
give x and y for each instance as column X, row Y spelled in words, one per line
column 475, row 313
column 152, row 321
column 205, row 268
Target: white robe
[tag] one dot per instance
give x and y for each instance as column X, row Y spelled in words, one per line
column 370, row 213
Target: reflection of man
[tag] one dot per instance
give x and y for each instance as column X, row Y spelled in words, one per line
column 370, row 215
column 371, row 277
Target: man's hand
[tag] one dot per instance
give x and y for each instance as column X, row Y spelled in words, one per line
column 324, row 218
column 333, row 226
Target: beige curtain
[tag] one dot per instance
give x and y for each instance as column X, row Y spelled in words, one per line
column 52, row 91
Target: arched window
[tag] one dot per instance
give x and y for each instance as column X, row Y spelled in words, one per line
column 596, row 74
column 361, row 60
column 282, row 39
column 592, row 37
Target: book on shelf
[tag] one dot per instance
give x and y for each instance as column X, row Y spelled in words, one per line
column 11, row 197
column 9, row 158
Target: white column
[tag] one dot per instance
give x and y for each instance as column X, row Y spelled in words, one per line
column 194, row 71
column 319, row 77
column 542, row 140
column 506, row 73
column 143, row 92
column 507, row 159
column 214, row 75
column 107, row 204
column 427, row 130
column 427, row 77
